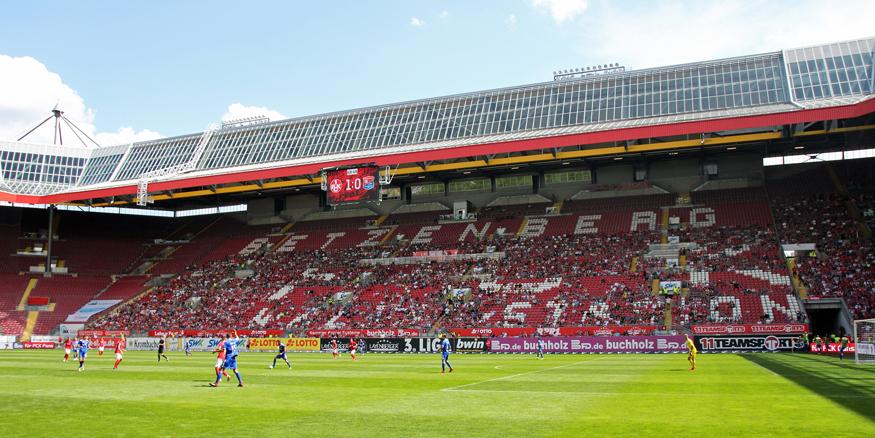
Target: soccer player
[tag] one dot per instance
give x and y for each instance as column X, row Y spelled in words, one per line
column 352, row 346
column 220, row 362
column 818, row 342
column 540, row 349
column 445, row 354
column 362, row 346
column 119, row 351
column 68, row 345
column 230, row 358
column 188, row 348
column 282, row 356
column 161, row 350
column 82, row 346
column 334, row 345
column 692, row 356
column 100, row 345
column 844, row 344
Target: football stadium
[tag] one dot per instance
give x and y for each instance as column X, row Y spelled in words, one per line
column 557, row 243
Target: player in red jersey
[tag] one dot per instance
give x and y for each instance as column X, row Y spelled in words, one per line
column 100, row 345
column 220, row 360
column 334, row 346
column 119, row 351
column 352, row 346
column 68, row 345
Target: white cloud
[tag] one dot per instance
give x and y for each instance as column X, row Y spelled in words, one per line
column 562, row 10
column 125, row 135
column 416, row 22
column 29, row 91
column 511, row 21
column 445, row 14
column 732, row 29
column 238, row 111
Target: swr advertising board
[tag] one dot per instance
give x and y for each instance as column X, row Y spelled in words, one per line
column 353, row 185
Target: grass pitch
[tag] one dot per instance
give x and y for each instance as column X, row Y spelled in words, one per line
column 405, row 395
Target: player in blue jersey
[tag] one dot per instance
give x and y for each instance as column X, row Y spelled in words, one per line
column 82, row 349
column 188, row 348
column 445, row 354
column 282, row 356
column 540, row 349
column 230, row 358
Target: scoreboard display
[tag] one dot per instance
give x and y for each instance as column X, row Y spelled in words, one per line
column 353, row 185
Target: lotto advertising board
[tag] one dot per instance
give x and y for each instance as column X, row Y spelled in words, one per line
column 353, row 185
column 738, row 329
column 745, row 343
column 292, row 344
column 640, row 344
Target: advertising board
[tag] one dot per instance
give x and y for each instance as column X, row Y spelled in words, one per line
column 738, row 329
column 591, row 344
column 745, row 343
column 353, row 185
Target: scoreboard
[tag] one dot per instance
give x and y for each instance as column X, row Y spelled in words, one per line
column 353, row 184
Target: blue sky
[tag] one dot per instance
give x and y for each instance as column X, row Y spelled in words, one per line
column 135, row 70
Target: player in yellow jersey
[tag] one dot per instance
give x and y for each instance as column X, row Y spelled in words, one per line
column 692, row 348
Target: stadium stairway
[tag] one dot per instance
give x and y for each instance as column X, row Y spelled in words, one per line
column 286, row 228
column 522, row 227
column 840, row 188
column 800, row 288
column 30, row 285
column 667, row 316
column 386, row 237
column 29, row 326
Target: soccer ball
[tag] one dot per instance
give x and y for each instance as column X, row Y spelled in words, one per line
column 270, row 367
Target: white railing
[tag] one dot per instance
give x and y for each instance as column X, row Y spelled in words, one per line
column 432, row 258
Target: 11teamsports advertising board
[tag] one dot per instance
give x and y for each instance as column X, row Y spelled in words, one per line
column 353, row 185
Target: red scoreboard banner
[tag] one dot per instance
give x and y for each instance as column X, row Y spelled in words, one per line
column 353, row 185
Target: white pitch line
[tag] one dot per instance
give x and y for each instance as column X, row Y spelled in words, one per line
column 661, row 394
column 523, row 374
column 764, row 368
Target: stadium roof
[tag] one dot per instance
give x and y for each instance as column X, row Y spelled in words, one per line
column 809, row 84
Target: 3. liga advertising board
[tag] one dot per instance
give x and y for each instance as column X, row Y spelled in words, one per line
column 353, row 185
column 407, row 345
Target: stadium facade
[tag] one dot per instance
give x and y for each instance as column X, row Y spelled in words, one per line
column 756, row 98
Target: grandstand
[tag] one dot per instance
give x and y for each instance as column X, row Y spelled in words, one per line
column 575, row 203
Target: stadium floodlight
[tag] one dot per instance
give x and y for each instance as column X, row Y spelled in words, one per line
column 864, row 341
